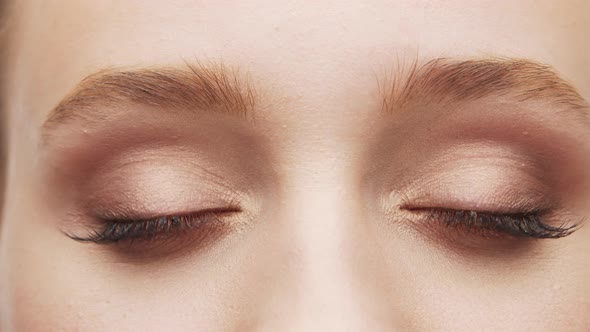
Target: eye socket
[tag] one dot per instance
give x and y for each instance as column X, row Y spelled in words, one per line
column 480, row 190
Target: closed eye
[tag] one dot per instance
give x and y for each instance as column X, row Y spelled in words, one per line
column 121, row 229
column 529, row 224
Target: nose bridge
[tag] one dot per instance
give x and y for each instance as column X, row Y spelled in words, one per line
column 321, row 212
column 327, row 282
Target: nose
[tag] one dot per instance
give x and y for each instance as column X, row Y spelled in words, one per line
column 328, row 284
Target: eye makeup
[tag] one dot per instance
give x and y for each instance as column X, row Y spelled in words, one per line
column 143, row 189
column 480, row 175
column 484, row 190
column 489, row 225
column 122, row 229
column 482, row 180
column 161, row 196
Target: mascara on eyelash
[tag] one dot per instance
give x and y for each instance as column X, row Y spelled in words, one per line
column 121, row 229
column 520, row 225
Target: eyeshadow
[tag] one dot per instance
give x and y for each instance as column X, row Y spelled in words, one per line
column 144, row 167
column 158, row 184
column 479, row 176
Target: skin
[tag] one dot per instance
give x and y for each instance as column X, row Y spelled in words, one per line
column 320, row 252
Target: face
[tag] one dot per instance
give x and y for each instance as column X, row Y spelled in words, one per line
column 297, row 166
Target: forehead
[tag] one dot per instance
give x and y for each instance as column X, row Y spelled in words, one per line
column 303, row 46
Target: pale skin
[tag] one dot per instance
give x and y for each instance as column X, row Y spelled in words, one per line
column 324, row 240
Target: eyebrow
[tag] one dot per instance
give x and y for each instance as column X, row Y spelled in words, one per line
column 444, row 81
column 196, row 87
column 216, row 88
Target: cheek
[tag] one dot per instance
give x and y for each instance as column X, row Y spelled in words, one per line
column 51, row 297
column 443, row 292
column 55, row 286
column 46, row 289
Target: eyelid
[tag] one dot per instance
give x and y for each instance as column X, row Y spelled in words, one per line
column 480, row 186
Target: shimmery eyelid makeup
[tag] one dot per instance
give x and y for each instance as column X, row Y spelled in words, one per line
column 155, row 198
column 477, row 178
column 150, row 183
column 483, row 189
column 152, row 187
column 214, row 146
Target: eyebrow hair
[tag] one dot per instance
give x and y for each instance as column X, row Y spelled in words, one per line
column 196, row 87
column 439, row 81
column 446, row 81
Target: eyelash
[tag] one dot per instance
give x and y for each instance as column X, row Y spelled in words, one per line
column 126, row 229
column 487, row 224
